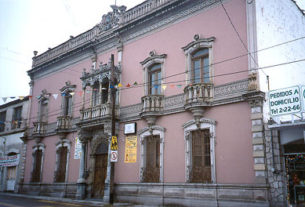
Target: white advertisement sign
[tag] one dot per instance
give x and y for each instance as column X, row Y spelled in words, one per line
column 78, row 149
column 285, row 101
column 303, row 97
column 9, row 161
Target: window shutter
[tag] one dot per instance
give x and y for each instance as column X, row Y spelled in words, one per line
column 201, row 165
column 61, row 172
column 152, row 168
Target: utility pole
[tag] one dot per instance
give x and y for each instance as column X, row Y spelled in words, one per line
column 113, row 94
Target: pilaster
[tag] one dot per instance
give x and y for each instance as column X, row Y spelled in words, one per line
column 255, row 100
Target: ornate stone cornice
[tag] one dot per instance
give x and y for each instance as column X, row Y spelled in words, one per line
column 158, row 128
column 202, row 120
column 255, row 98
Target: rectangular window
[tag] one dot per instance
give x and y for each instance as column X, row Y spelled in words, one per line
column 152, row 168
column 17, row 119
column 61, row 171
column 201, row 66
column 37, row 166
column 201, row 164
column 155, row 79
column 2, row 121
column 43, row 111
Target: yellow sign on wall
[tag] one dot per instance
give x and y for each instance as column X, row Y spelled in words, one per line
column 131, row 149
column 114, row 143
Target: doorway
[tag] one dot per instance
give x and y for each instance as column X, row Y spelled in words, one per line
column 295, row 169
column 100, row 171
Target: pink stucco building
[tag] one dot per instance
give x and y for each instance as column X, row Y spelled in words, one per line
column 189, row 120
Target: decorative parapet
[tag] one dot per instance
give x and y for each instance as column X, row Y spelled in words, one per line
column 115, row 19
column 143, row 9
column 65, row 47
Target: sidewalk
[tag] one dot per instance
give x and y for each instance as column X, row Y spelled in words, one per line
column 92, row 202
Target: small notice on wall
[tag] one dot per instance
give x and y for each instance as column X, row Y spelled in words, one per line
column 78, row 149
column 131, row 149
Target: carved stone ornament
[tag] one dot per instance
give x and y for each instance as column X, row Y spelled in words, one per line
column 112, row 19
column 255, row 98
column 252, row 86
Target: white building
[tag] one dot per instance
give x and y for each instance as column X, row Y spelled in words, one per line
column 13, row 118
column 277, row 42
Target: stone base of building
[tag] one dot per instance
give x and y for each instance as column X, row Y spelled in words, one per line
column 63, row 190
column 203, row 195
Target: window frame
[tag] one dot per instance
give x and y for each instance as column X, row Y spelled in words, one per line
column 16, row 118
column 152, row 90
column 193, row 47
column 189, row 127
column 201, row 59
column 143, row 134
column 37, row 147
column 2, row 125
column 149, row 62
column 63, row 143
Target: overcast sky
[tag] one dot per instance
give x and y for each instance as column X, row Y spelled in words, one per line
column 28, row 25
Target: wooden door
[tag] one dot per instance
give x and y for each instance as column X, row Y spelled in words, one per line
column 99, row 175
column 201, row 165
column 152, row 168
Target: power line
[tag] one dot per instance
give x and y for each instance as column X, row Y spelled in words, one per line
column 54, row 113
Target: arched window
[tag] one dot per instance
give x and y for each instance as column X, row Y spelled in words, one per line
column 154, row 79
column 200, row 66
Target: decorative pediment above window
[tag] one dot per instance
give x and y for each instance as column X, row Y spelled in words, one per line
column 153, row 59
column 43, row 96
column 198, row 43
column 68, row 88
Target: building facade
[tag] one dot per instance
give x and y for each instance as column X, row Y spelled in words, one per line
column 189, row 109
column 13, row 122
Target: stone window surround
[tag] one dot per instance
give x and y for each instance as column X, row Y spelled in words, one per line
column 64, row 91
column 36, row 147
column 147, row 63
column 43, row 99
column 145, row 132
column 188, row 128
column 62, row 143
column 198, row 43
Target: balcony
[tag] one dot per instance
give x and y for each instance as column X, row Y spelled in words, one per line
column 95, row 112
column 197, row 97
column 152, row 107
column 63, row 123
column 40, row 128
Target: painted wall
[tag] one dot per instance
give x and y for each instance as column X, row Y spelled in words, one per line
column 278, row 22
column 170, row 40
column 234, row 162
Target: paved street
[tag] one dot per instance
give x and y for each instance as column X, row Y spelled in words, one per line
column 12, row 201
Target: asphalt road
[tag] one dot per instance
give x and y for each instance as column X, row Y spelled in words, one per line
column 10, row 201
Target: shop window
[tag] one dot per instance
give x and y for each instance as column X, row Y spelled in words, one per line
column 37, row 165
column 17, row 119
column 2, row 121
column 152, row 159
column 201, row 164
column 61, row 171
